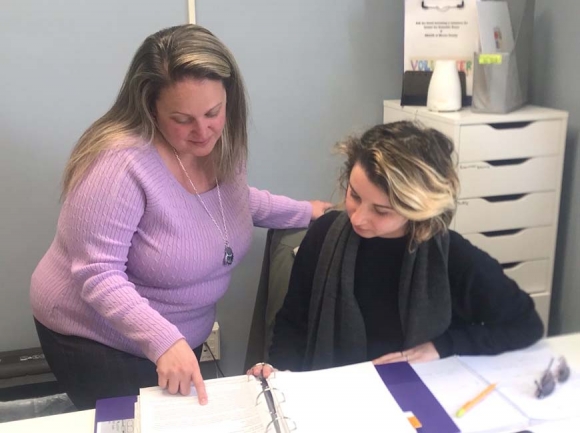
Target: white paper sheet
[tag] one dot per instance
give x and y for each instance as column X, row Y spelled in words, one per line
column 344, row 399
column 515, row 373
column 137, row 420
column 495, row 27
column 453, row 384
column 231, row 408
column 565, row 426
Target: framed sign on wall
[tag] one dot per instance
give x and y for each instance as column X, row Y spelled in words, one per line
column 441, row 30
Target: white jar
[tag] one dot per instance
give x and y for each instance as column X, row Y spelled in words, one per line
column 444, row 92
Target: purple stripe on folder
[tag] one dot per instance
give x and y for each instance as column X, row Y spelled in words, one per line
column 412, row 395
column 116, row 408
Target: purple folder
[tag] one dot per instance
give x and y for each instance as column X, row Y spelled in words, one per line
column 412, row 395
column 115, row 409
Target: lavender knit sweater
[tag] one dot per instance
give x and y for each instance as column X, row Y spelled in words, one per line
column 136, row 262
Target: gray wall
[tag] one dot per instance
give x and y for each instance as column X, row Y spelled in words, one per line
column 61, row 64
column 315, row 71
column 555, row 84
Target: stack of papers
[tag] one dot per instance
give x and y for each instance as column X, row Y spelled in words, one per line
column 454, row 384
column 231, row 408
column 513, row 404
column 515, row 373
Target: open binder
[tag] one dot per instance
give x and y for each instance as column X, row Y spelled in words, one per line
column 349, row 398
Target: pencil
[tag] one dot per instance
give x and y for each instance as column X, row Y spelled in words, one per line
column 475, row 400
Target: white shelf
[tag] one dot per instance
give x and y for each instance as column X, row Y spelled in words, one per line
column 465, row 116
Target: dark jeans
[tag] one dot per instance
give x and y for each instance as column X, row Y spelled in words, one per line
column 88, row 371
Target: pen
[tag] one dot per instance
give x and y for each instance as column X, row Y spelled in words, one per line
column 475, row 400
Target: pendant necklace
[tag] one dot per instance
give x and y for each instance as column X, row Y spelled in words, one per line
column 228, row 252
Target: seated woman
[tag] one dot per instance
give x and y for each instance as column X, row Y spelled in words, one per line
column 387, row 280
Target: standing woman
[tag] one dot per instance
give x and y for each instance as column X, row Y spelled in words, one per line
column 386, row 280
column 157, row 213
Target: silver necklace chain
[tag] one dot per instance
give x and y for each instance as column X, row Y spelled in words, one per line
column 228, row 253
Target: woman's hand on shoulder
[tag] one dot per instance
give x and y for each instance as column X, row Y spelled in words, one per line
column 261, row 369
column 422, row 353
column 319, row 208
column 177, row 368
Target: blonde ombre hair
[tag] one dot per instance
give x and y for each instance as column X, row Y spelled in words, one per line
column 415, row 168
column 164, row 58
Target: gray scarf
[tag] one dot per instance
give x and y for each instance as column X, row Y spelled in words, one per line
column 336, row 329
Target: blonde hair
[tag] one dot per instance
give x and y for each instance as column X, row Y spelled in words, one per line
column 164, row 58
column 414, row 166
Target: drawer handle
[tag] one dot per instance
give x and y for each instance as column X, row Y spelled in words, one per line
column 510, row 265
column 500, row 198
column 496, row 233
column 509, row 125
column 515, row 161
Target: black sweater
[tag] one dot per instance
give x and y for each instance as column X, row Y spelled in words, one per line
column 490, row 314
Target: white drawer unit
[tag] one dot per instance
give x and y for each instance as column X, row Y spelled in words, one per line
column 509, row 246
column 501, row 213
column 510, row 171
column 488, row 179
column 531, row 276
column 542, row 301
column 492, row 142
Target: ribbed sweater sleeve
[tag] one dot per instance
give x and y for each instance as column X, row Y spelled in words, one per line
column 101, row 215
column 278, row 212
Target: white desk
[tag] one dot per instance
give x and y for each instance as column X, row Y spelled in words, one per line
column 83, row 421
column 74, row 422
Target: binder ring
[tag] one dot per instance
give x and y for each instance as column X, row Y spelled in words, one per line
column 288, row 420
column 280, row 394
column 443, row 8
column 258, row 398
column 270, row 390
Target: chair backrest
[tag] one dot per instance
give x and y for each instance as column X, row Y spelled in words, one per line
column 274, row 278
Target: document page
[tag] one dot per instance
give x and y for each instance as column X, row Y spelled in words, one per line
column 137, row 420
column 231, row 408
column 453, row 384
column 563, row 426
column 515, row 373
column 495, row 27
column 343, row 399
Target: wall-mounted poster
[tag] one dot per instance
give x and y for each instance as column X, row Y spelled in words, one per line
column 441, row 29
